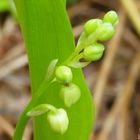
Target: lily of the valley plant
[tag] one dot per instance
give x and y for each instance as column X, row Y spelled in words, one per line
column 61, row 105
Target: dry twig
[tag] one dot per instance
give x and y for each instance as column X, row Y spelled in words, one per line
column 133, row 12
column 6, row 127
column 12, row 66
column 132, row 39
column 9, row 129
column 12, row 53
column 123, row 101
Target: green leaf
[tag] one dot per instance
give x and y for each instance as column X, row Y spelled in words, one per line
column 48, row 35
column 8, row 6
column 64, row 1
column 51, row 69
column 4, row 5
column 39, row 110
column 79, row 64
column 12, row 9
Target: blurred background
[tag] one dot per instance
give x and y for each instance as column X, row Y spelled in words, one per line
column 114, row 81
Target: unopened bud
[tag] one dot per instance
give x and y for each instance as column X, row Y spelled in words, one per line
column 111, row 17
column 94, row 52
column 58, row 121
column 64, row 74
column 70, row 94
column 105, row 32
column 92, row 25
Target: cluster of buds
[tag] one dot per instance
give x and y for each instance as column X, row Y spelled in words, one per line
column 89, row 48
column 70, row 93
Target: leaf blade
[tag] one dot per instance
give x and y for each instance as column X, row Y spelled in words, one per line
column 46, row 29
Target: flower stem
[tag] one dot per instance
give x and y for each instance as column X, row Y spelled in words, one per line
column 24, row 118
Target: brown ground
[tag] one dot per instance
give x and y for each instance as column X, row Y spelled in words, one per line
column 114, row 81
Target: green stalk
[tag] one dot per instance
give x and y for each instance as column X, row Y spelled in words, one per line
column 24, row 118
column 48, row 35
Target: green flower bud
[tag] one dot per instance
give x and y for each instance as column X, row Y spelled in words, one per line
column 92, row 25
column 105, row 32
column 63, row 74
column 70, row 94
column 111, row 17
column 94, row 52
column 58, row 121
